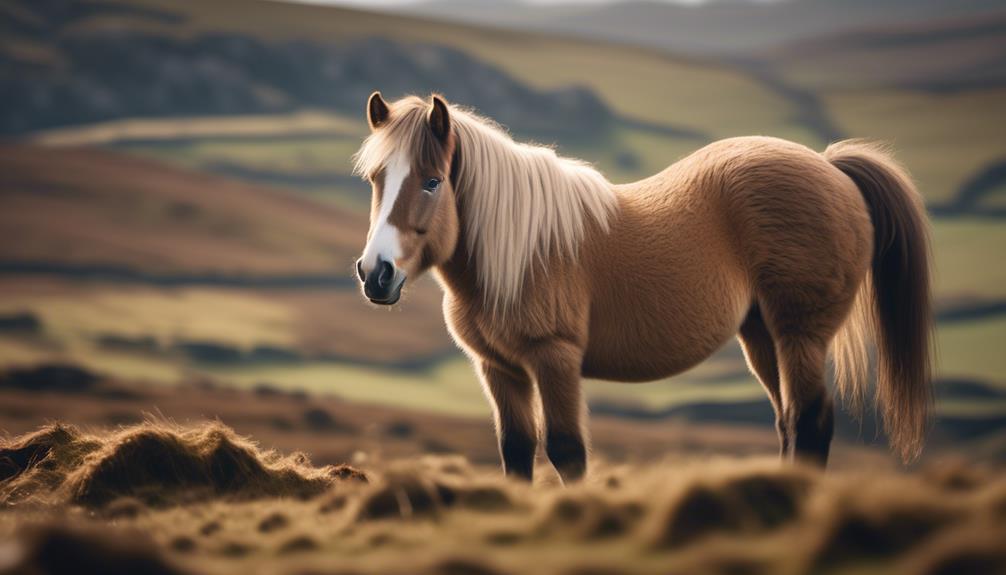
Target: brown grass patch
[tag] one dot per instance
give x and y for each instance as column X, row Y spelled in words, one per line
column 53, row 548
column 888, row 519
column 738, row 501
column 590, row 516
column 441, row 514
column 298, row 544
column 401, row 494
column 273, row 522
column 156, row 463
column 976, row 550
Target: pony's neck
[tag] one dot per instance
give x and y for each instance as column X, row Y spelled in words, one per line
column 518, row 205
column 458, row 273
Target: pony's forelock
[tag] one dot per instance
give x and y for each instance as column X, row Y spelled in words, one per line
column 406, row 131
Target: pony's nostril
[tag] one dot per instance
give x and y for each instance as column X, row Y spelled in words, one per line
column 359, row 270
column 387, row 274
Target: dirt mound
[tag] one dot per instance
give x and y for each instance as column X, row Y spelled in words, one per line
column 155, row 463
column 57, row 549
column 20, row 323
column 886, row 521
column 402, row 495
column 426, row 490
column 63, row 378
column 739, row 501
column 58, row 378
column 974, row 550
column 590, row 516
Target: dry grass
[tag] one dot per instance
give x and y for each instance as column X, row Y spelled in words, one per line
column 166, row 499
column 155, row 462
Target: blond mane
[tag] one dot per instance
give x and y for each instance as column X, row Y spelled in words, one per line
column 522, row 203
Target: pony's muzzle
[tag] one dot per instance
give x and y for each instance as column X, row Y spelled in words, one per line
column 383, row 285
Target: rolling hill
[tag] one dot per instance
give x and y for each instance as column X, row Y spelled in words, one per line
column 718, row 28
column 228, row 72
column 944, row 56
column 111, row 210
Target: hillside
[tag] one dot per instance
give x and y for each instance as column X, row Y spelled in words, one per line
column 119, row 211
column 719, row 28
column 412, row 57
column 949, row 56
column 57, row 72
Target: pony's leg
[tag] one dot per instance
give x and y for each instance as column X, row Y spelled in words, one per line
column 556, row 367
column 512, row 394
column 759, row 350
column 808, row 412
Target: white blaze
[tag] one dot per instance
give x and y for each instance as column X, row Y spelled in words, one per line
column 384, row 240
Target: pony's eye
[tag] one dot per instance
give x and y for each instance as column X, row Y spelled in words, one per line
column 431, row 185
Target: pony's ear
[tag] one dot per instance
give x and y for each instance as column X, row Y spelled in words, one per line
column 377, row 111
column 440, row 118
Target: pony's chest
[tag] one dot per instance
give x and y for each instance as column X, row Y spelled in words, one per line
column 473, row 332
column 509, row 336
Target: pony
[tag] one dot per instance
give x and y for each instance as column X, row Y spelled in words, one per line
column 551, row 273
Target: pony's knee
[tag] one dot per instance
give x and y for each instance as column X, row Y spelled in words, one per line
column 568, row 454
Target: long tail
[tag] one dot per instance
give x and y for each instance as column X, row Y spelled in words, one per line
column 894, row 306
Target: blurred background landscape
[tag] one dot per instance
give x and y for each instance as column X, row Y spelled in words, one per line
column 179, row 216
column 192, row 384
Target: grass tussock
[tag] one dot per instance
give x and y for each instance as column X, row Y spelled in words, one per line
column 53, row 548
column 440, row 514
column 887, row 520
column 154, row 463
column 977, row 549
column 426, row 488
column 742, row 500
column 590, row 516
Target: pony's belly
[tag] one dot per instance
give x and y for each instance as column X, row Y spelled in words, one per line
column 634, row 353
column 648, row 340
column 638, row 368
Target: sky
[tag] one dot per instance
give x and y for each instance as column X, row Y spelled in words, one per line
column 385, row 3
